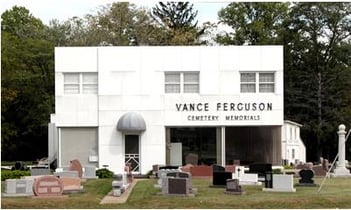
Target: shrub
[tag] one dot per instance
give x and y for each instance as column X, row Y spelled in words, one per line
column 104, row 173
column 15, row 174
column 277, row 171
column 288, row 167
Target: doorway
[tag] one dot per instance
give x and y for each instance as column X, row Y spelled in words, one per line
column 132, row 152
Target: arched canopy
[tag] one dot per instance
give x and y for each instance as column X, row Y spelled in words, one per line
column 131, row 122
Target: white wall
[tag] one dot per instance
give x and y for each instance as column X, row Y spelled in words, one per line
column 291, row 140
column 132, row 79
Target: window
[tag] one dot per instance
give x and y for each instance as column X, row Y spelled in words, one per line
column 191, row 82
column 249, row 83
column 71, row 83
column 182, row 82
column 84, row 83
column 293, row 153
column 266, row 82
column 172, row 82
column 89, row 83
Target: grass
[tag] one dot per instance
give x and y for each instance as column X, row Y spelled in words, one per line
column 336, row 193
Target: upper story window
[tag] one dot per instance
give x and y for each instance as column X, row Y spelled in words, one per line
column 182, row 82
column 80, row 83
column 250, row 84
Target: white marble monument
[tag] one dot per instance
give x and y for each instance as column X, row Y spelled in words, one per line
column 282, row 183
column 341, row 170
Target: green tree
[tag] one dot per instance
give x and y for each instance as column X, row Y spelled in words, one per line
column 27, row 85
column 117, row 24
column 316, row 39
column 15, row 22
column 253, row 23
column 177, row 20
column 122, row 24
column 323, row 31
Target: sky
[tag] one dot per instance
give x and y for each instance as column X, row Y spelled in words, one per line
column 62, row 10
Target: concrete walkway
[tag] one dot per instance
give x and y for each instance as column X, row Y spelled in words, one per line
column 109, row 198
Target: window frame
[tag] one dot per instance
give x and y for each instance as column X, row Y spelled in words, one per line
column 81, row 84
column 257, row 83
column 182, row 83
column 68, row 83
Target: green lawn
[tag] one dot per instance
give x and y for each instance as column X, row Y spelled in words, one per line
column 336, row 193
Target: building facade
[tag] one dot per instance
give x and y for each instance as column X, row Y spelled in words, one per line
column 156, row 105
column 293, row 148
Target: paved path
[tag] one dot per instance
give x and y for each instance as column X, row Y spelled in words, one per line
column 109, row 198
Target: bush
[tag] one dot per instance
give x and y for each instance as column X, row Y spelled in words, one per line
column 15, row 174
column 104, row 173
column 288, row 167
column 277, row 171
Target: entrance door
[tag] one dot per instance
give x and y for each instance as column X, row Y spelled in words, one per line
column 131, row 151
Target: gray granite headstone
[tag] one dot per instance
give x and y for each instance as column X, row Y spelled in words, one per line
column 175, row 186
column 325, row 164
column 191, row 158
column 178, row 186
column 18, row 187
column 40, row 171
column 319, row 170
column 179, row 174
column 89, row 172
column 67, row 173
column 233, row 187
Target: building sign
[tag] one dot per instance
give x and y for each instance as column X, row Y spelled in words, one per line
column 232, row 111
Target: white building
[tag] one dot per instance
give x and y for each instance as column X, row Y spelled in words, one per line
column 293, row 148
column 154, row 105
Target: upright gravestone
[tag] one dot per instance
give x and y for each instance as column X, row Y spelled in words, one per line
column 67, row 174
column 175, row 186
column 319, row 170
column 89, row 172
column 18, row 187
column 178, row 186
column 48, row 186
column 76, row 166
column 71, row 184
column 264, row 171
column 236, row 162
column 192, row 158
column 40, row 171
column 325, row 165
column 19, row 165
column 233, row 187
column 220, row 176
column 306, row 176
column 282, row 183
column 217, row 168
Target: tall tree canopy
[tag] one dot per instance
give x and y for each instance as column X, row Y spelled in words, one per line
column 26, row 85
column 116, row 24
column 317, row 70
column 253, row 23
column 178, row 21
column 322, row 96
